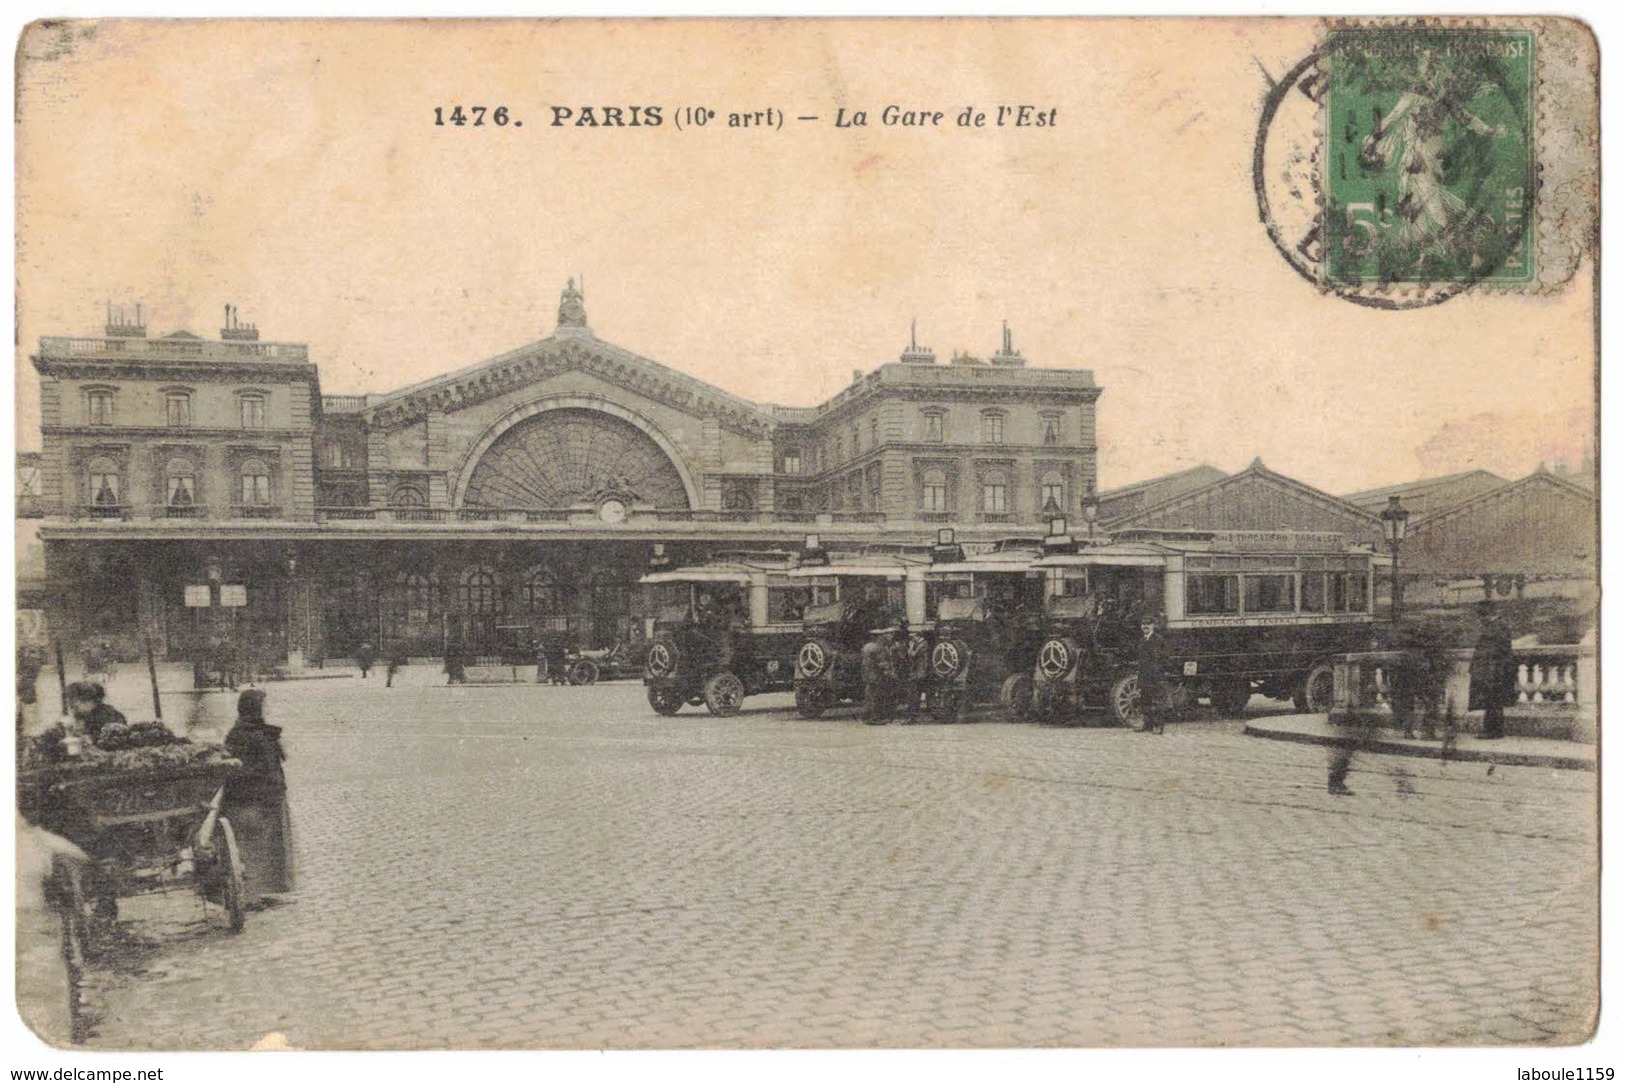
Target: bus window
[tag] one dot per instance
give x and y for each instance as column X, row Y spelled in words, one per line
column 825, row 591
column 1348, row 592
column 1210, row 594
column 1314, row 592
column 1269, row 593
column 785, row 604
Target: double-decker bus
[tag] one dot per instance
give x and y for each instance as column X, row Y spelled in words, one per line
column 1244, row 612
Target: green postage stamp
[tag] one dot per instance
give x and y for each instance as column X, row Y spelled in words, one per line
column 1429, row 172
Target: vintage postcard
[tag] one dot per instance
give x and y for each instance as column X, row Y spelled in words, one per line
column 901, row 533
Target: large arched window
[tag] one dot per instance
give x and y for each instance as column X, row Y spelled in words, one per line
column 180, row 486
column 255, row 488
column 479, row 590
column 412, row 599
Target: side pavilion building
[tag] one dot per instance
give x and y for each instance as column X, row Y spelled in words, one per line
column 206, row 492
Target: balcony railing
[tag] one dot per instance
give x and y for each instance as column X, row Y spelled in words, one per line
column 103, row 511
column 420, row 515
column 343, row 513
column 172, row 349
column 186, row 511
column 256, row 511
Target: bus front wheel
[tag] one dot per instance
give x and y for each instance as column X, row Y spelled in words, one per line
column 1313, row 694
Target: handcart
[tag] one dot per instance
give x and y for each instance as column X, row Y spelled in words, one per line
column 146, row 831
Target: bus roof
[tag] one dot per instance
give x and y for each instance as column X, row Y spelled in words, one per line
column 718, row 571
column 872, row 565
column 1006, row 562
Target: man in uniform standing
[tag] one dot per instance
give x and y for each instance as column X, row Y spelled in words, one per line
column 1153, row 683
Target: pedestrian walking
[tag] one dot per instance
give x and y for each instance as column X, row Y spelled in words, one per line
column 1494, row 672
column 256, row 801
column 908, row 663
column 364, row 658
column 1154, row 696
column 393, row 667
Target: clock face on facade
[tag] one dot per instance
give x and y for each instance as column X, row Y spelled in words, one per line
column 612, row 511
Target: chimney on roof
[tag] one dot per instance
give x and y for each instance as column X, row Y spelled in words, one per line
column 1008, row 356
column 120, row 326
column 916, row 354
column 237, row 331
column 857, row 376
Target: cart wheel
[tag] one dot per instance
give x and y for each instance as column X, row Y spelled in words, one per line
column 1125, row 702
column 585, row 671
column 229, row 863
column 809, row 704
column 724, row 694
column 1017, row 697
column 664, row 700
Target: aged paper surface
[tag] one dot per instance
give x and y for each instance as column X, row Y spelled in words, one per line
column 514, row 313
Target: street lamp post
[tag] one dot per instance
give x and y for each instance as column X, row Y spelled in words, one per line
column 1394, row 518
column 1091, row 512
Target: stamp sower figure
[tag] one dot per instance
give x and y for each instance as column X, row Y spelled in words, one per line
column 1154, row 697
column 256, row 800
column 1495, row 676
column 87, row 703
column 879, row 686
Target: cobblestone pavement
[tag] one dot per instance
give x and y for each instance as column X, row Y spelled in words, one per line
column 530, row 866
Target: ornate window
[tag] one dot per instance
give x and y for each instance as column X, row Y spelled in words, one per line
column 1052, row 490
column 874, row 432
column 737, row 498
column 255, row 477
column 871, row 481
column 408, row 496
column 992, row 427
column 177, row 407
column 104, row 483
column 251, row 409
column 792, row 460
column 479, row 590
column 854, row 490
column 540, row 592
column 840, row 448
column 414, row 597
column 101, row 405
column 995, row 493
column 933, row 426
column 855, row 439
column 180, row 484
column 1052, row 428
column 934, row 490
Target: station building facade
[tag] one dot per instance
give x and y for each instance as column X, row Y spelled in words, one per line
column 197, row 492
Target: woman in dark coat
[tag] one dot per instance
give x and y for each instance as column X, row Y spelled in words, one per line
column 256, row 800
column 1495, row 673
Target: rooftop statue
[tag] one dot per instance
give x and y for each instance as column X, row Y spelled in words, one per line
column 572, row 312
